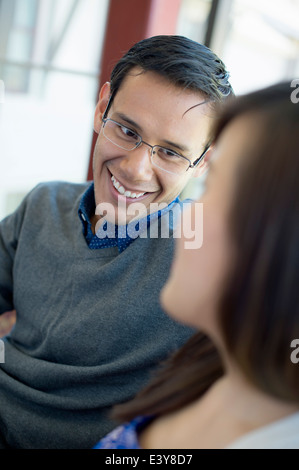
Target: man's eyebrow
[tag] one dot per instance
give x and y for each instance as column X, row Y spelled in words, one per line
column 169, row 143
column 180, row 147
column 128, row 120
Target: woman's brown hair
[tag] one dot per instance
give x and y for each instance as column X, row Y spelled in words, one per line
column 259, row 314
column 259, row 310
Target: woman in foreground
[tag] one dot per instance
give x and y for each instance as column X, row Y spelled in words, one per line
column 235, row 384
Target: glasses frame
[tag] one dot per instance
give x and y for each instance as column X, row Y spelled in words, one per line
column 152, row 147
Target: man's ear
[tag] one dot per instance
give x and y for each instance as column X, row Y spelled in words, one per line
column 104, row 96
column 203, row 166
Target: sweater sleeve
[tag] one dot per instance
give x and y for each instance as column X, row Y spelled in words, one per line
column 10, row 228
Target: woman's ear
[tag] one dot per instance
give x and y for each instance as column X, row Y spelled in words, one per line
column 104, row 96
column 203, row 166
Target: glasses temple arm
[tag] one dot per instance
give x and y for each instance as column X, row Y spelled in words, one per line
column 108, row 105
column 199, row 159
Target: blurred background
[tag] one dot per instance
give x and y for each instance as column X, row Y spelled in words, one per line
column 54, row 56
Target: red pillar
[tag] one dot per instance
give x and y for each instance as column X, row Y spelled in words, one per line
column 128, row 22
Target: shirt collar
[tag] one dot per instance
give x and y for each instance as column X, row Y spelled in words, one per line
column 115, row 236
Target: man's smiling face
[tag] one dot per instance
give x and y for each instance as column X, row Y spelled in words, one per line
column 161, row 114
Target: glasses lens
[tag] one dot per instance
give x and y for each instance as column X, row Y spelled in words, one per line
column 120, row 135
column 169, row 161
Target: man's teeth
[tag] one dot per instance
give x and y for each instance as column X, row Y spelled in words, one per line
column 123, row 191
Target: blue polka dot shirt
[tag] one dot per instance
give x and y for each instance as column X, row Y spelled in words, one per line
column 115, row 236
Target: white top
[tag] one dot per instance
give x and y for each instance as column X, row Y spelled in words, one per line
column 282, row 434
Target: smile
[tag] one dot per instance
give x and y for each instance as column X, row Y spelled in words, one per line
column 124, row 191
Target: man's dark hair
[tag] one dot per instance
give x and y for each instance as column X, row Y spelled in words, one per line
column 185, row 63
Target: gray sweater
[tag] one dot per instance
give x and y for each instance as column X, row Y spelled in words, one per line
column 89, row 327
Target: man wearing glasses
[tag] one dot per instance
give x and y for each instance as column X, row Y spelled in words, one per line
column 89, row 325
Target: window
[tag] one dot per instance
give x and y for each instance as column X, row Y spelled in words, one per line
column 49, row 65
column 258, row 40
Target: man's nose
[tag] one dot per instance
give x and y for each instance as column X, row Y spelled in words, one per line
column 137, row 163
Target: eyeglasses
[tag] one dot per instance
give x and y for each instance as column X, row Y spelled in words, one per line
column 163, row 158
